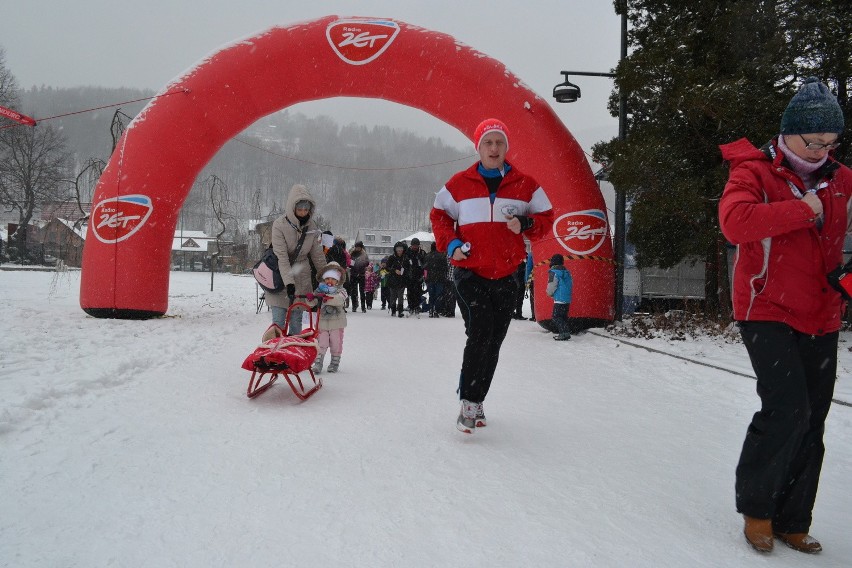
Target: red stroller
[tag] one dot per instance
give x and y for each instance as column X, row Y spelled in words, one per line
column 287, row 355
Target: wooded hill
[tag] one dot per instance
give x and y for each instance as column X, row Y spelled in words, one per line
column 360, row 176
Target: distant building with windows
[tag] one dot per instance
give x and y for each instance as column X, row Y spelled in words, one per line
column 379, row 242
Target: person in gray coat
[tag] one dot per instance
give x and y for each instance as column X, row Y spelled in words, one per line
column 295, row 239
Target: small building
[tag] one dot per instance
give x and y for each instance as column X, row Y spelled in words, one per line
column 63, row 240
column 379, row 242
column 191, row 250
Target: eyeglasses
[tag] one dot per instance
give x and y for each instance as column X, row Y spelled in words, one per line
column 818, row 146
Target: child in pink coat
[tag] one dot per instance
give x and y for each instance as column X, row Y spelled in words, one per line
column 371, row 284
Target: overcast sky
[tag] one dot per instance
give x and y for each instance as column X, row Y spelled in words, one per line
column 145, row 44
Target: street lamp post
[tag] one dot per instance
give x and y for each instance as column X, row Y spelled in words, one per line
column 568, row 92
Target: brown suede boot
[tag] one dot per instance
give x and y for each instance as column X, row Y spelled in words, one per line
column 758, row 533
column 803, row 542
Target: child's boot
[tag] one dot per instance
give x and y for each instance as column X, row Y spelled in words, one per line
column 335, row 364
column 317, row 366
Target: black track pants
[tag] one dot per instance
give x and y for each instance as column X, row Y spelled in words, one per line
column 778, row 472
column 486, row 306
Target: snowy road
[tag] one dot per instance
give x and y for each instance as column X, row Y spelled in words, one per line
column 128, row 443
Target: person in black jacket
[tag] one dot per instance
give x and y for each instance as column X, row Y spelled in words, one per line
column 396, row 279
column 435, row 274
column 414, row 261
column 360, row 260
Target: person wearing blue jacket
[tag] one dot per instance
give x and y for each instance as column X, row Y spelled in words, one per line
column 559, row 287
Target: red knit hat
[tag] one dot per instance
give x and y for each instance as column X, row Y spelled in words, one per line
column 490, row 125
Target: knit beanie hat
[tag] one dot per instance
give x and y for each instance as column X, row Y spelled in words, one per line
column 331, row 273
column 327, row 239
column 557, row 260
column 490, row 125
column 813, row 109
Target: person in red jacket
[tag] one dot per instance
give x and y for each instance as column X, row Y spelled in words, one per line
column 785, row 207
column 480, row 217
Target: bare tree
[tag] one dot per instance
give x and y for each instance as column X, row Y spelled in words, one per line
column 33, row 165
column 85, row 181
column 222, row 212
column 116, row 129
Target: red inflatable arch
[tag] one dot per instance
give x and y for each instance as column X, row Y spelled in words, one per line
column 126, row 260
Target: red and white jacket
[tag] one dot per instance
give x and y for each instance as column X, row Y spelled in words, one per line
column 463, row 210
column 782, row 256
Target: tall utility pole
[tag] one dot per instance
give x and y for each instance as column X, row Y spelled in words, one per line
column 621, row 196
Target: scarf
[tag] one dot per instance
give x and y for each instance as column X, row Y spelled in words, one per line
column 803, row 168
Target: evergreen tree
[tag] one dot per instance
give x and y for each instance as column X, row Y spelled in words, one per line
column 700, row 74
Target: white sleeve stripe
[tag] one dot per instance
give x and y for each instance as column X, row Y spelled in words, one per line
column 445, row 202
column 539, row 202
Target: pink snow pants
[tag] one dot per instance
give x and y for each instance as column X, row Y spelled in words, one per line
column 333, row 339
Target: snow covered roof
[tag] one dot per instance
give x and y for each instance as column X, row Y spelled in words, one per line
column 80, row 230
column 191, row 241
column 422, row 235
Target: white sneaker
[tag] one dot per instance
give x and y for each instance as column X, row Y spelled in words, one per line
column 480, row 417
column 467, row 417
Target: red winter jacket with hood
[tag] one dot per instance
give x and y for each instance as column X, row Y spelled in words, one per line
column 782, row 256
column 463, row 210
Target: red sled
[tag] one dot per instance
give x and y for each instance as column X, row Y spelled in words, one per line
column 287, row 355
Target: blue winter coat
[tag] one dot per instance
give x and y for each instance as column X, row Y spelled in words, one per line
column 559, row 284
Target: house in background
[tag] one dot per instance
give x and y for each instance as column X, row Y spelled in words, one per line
column 191, row 250
column 63, row 240
column 378, row 242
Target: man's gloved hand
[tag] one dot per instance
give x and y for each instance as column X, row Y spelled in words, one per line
column 526, row 222
column 518, row 223
column 291, row 292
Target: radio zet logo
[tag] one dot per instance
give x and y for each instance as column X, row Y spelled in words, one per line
column 116, row 219
column 581, row 232
column 360, row 41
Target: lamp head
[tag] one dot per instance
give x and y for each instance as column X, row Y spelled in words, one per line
column 566, row 92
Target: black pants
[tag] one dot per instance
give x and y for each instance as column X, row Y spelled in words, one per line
column 779, row 468
column 447, row 301
column 415, row 295
column 395, row 299
column 358, row 291
column 559, row 318
column 486, row 306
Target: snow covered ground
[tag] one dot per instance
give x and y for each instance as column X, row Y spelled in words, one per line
column 132, row 443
